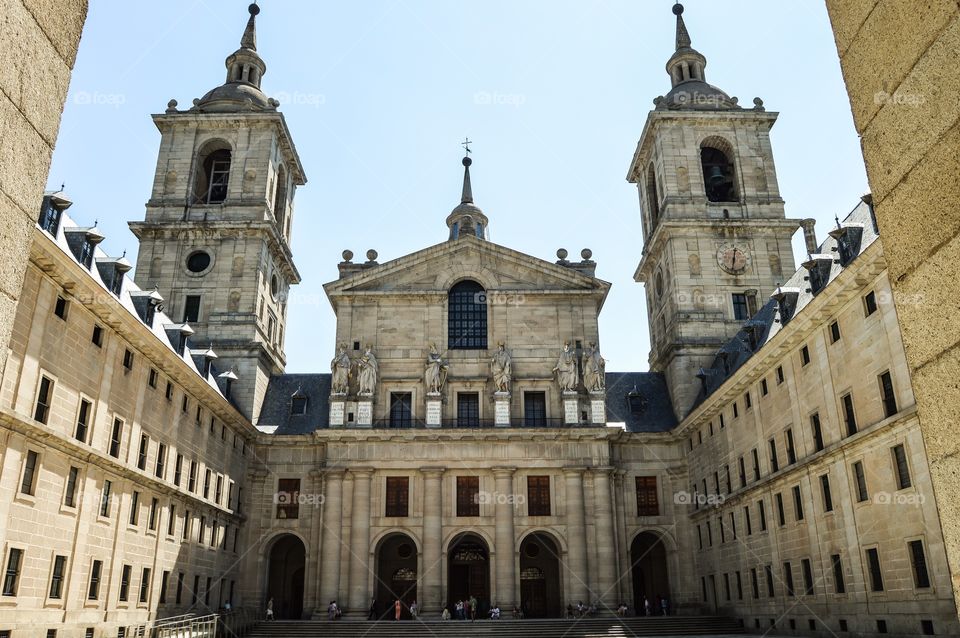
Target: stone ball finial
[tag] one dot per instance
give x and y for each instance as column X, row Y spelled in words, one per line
column 562, row 253
column 347, row 255
column 372, row 255
column 172, row 105
column 196, row 101
column 678, row 9
column 254, row 9
column 467, row 161
column 586, row 253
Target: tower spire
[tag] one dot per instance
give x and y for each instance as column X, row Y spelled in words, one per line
column 249, row 39
column 467, row 196
column 683, row 36
column 466, row 218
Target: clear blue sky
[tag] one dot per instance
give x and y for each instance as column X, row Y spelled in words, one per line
column 380, row 94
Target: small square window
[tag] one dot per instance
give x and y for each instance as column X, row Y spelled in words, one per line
column 60, row 308
column 128, row 359
column 763, row 387
column 97, row 337
column 298, row 405
column 779, row 375
column 805, row 355
column 168, row 393
column 152, row 379
column 869, row 304
column 834, row 332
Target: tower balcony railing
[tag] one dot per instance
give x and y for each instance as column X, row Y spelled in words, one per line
column 478, row 424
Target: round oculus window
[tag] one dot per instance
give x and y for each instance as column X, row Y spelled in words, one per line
column 198, row 261
column 405, row 550
column 274, row 286
column 532, row 550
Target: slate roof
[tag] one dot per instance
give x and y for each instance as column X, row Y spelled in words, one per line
column 275, row 411
column 639, row 400
column 859, row 231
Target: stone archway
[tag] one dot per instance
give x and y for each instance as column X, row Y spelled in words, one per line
column 396, row 575
column 468, row 572
column 285, row 576
column 648, row 567
column 540, row 589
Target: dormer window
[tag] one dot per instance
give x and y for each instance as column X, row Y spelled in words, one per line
column 298, row 405
column 148, row 314
column 50, row 214
column 86, row 253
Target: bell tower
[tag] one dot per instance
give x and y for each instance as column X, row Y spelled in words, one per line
column 215, row 241
column 716, row 239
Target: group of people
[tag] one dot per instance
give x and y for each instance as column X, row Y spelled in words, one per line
column 581, row 610
column 465, row 609
column 660, row 608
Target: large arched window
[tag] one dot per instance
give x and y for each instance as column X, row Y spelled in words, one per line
column 467, row 317
column 213, row 173
column 719, row 177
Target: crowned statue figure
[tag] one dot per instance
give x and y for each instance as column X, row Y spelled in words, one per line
column 501, row 366
column 566, row 369
column 594, row 369
column 340, row 371
column 435, row 374
column 368, row 368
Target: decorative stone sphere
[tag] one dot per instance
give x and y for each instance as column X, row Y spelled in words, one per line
column 467, row 161
column 253, row 9
column 677, row 9
column 562, row 253
column 371, row 255
column 586, row 253
column 172, row 104
column 347, row 255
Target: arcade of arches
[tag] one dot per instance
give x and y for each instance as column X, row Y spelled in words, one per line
column 540, row 573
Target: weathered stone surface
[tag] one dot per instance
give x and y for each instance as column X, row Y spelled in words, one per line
column 62, row 22
column 847, row 17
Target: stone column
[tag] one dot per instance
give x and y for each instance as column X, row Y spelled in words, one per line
column 506, row 567
column 606, row 541
column 623, row 551
column 576, row 537
column 359, row 598
column 332, row 540
column 311, row 601
column 431, row 598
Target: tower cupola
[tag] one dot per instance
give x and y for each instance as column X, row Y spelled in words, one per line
column 467, row 218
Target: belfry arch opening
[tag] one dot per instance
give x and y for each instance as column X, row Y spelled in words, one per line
column 212, row 176
column 719, row 174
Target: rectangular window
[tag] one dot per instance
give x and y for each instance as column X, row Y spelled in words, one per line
column 825, row 490
column 788, row 578
column 834, row 332
column 739, row 586
column 83, row 421
column 186, row 525
column 535, row 409
column 135, row 508
column 747, row 401
column 171, row 520
column 202, row 531
column 763, row 387
column 152, row 378
column 763, row 516
column 756, row 464
column 70, row 493
column 401, row 410
column 468, row 409
column 115, row 437
column 398, row 496
column 28, row 483
column 791, row 450
column 128, row 359
column 807, row 576
column 797, row 502
column 105, row 498
column 746, row 520
column 218, row 490
column 468, row 496
column 918, row 560
column 869, row 304
column 97, row 337
column 192, row 477
column 11, row 577
column 754, row 584
column 861, row 480
column 873, row 564
column 185, row 404
column 195, row 592
column 56, row 577
column 142, row 452
column 781, row 516
column 886, row 394
column 740, row 310
column 179, row 596
column 125, row 583
column 160, row 468
column 60, row 308
column 849, row 416
column 742, row 469
column 164, row 580
column 168, row 393
column 50, row 222
column 288, row 498
column 154, row 508
column 538, row 496
column 774, row 463
column 647, row 500
column 817, row 431
column 44, row 398
column 903, row 470
column 191, row 309
column 93, row 591
column 838, row 585
column 768, row 572
column 726, row 585
column 804, row 355
column 779, row 375
column 206, row 483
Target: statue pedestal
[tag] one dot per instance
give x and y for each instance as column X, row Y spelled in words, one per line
column 571, row 408
column 501, row 409
column 598, row 407
column 434, row 409
column 365, row 412
column 337, row 410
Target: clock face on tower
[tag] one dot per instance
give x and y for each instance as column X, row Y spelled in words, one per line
column 733, row 258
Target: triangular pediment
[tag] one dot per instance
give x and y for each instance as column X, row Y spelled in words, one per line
column 496, row 267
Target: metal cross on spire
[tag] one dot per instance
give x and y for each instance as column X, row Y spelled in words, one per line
column 466, row 145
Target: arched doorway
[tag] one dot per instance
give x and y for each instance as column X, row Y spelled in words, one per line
column 287, row 561
column 540, row 595
column 468, row 572
column 396, row 575
column 648, row 560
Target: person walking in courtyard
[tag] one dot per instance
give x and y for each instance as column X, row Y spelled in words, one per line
column 664, row 606
column 414, row 609
column 270, row 609
column 647, row 610
column 397, row 609
column 473, row 607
